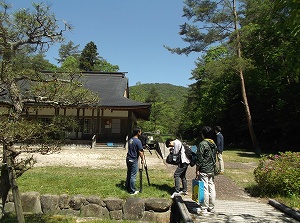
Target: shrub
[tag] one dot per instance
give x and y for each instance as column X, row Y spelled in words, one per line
column 279, row 174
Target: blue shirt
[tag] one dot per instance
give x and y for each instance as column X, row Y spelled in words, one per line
column 134, row 146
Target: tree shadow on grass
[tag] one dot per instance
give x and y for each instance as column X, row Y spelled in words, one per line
column 163, row 187
column 122, row 185
column 248, row 154
column 253, row 190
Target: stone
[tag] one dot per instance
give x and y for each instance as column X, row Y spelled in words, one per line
column 116, row 215
column 158, row 204
column 63, row 201
column 49, row 204
column 9, row 207
column 161, row 217
column 31, row 202
column 77, row 202
column 95, row 200
column 133, row 208
column 91, row 210
column 114, row 204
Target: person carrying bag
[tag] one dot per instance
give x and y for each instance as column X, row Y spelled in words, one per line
column 182, row 165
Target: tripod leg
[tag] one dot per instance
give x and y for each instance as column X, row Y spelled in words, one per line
column 141, row 180
column 146, row 168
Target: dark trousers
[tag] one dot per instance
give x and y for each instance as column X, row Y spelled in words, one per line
column 180, row 177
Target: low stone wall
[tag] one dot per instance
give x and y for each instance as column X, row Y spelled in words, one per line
column 132, row 208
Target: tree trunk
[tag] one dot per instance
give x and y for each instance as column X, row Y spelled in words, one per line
column 4, row 187
column 16, row 195
column 243, row 87
column 8, row 181
column 248, row 115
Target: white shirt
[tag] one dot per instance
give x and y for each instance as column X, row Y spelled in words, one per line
column 177, row 146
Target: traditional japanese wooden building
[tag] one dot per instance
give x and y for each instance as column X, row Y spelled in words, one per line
column 111, row 120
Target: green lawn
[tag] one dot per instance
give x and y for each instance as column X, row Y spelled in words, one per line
column 88, row 181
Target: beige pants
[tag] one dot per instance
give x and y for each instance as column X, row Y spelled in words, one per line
column 221, row 162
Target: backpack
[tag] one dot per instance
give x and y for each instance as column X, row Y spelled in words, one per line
column 190, row 152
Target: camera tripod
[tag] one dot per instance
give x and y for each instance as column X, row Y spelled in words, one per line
column 144, row 166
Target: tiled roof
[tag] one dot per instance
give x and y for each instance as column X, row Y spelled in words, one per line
column 111, row 88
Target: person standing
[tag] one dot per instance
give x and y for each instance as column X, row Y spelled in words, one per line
column 220, row 148
column 135, row 150
column 180, row 172
column 205, row 159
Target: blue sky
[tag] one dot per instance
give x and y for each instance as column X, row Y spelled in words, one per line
column 128, row 33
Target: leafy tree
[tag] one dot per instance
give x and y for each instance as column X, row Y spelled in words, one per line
column 272, row 45
column 70, row 64
column 289, row 12
column 67, row 50
column 104, row 66
column 22, row 34
column 154, row 99
column 88, row 57
column 219, row 22
column 91, row 61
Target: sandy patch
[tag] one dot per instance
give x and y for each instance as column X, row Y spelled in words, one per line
column 94, row 158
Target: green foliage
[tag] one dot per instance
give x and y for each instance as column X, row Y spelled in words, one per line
column 218, row 21
column 268, row 62
column 279, row 174
column 70, row 64
column 167, row 103
column 290, row 11
column 67, row 50
column 88, row 57
column 90, row 60
column 104, row 66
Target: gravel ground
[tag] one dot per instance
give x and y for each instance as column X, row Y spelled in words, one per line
column 115, row 158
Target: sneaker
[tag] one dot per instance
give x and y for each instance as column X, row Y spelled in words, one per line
column 135, row 193
column 175, row 194
column 197, row 210
column 211, row 210
column 204, row 212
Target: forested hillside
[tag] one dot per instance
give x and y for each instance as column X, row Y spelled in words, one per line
column 247, row 79
column 167, row 102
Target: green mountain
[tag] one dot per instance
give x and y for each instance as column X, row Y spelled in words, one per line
column 167, row 101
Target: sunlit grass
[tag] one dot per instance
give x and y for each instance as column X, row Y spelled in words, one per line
column 87, row 181
column 240, row 156
column 238, row 173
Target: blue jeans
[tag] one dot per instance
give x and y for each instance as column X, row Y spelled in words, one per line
column 132, row 168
